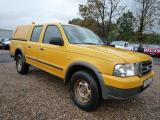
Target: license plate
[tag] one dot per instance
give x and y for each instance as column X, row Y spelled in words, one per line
column 147, row 82
column 152, row 53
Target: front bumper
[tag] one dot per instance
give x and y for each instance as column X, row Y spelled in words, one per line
column 121, row 88
column 153, row 53
column 115, row 93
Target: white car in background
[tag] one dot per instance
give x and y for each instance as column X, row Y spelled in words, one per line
column 1, row 40
column 135, row 46
column 6, row 43
column 122, row 44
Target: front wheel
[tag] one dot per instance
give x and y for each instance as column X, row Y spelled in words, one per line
column 85, row 91
column 22, row 67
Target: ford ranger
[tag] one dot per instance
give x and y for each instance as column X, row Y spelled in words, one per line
column 93, row 70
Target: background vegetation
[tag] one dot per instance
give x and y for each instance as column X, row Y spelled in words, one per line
column 111, row 21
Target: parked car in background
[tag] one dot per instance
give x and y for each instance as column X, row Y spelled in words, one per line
column 153, row 50
column 6, row 43
column 122, row 44
column 1, row 40
column 135, row 47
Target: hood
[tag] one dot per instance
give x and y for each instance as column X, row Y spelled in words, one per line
column 152, row 48
column 110, row 53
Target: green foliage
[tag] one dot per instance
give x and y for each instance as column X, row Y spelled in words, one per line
column 152, row 38
column 85, row 11
column 76, row 21
column 125, row 26
column 113, row 35
column 124, row 29
column 88, row 23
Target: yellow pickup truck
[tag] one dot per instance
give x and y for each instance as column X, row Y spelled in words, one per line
column 94, row 71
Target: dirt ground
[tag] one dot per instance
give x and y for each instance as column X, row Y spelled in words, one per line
column 41, row 96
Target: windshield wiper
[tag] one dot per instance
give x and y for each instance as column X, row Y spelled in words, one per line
column 91, row 43
column 88, row 43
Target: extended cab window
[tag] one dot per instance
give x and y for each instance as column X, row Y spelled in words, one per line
column 36, row 33
column 52, row 34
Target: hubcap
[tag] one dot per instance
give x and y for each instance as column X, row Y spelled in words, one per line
column 19, row 64
column 82, row 91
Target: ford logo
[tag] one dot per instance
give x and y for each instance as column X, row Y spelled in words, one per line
column 147, row 67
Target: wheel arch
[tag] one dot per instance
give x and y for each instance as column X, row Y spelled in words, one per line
column 85, row 66
column 18, row 51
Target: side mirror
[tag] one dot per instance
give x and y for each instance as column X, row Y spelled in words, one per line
column 56, row 41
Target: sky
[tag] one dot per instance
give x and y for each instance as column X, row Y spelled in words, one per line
column 18, row 12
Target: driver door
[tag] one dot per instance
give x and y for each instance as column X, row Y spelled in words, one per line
column 52, row 56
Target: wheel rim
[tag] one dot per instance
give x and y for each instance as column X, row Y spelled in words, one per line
column 19, row 63
column 82, row 91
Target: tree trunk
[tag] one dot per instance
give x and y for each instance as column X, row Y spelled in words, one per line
column 109, row 25
column 103, row 29
column 141, row 29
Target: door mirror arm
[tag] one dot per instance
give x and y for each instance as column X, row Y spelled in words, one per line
column 56, row 41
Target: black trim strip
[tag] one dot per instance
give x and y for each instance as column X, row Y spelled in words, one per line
column 59, row 68
column 18, row 39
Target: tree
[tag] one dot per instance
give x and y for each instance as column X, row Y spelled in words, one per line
column 103, row 11
column 125, row 26
column 88, row 23
column 115, row 9
column 94, row 9
column 85, row 11
column 147, row 15
column 152, row 38
column 76, row 21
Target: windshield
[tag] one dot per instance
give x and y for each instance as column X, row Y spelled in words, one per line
column 80, row 35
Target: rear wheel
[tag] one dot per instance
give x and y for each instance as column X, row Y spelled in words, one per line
column 84, row 91
column 22, row 67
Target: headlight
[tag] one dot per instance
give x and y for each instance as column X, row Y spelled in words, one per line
column 126, row 70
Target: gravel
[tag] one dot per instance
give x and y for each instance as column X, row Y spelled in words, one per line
column 41, row 96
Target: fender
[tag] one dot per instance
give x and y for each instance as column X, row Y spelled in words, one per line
column 95, row 70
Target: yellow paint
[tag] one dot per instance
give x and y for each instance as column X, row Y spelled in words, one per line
column 104, row 58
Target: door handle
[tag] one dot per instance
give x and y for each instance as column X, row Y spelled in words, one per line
column 41, row 49
column 29, row 46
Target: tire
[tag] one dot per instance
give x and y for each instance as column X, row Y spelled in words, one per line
column 91, row 92
column 21, row 66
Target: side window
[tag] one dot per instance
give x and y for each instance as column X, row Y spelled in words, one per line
column 36, row 33
column 52, row 34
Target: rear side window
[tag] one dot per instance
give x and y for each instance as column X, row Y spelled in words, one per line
column 36, row 33
column 52, row 33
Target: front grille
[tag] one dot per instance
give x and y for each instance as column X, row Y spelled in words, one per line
column 145, row 68
column 152, row 50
